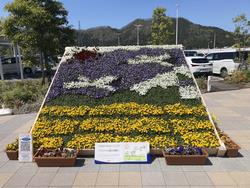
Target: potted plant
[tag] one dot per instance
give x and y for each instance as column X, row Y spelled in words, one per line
column 62, row 157
column 231, row 146
column 12, row 150
column 185, row 155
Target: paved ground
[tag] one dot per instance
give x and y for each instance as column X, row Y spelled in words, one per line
column 231, row 107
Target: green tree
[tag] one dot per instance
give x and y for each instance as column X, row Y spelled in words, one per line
column 39, row 26
column 241, row 35
column 161, row 27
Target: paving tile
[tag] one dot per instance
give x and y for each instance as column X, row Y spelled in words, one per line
column 89, row 166
column 153, row 167
column 152, row 178
column 86, row 179
column 63, row 179
column 130, row 186
column 177, row 186
column 221, row 178
column 197, row 168
column 198, row 178
column 241, row 178
column 42, row 179
column 48, row 169
column 130, row 167
column 109, row 167
column 175, row 178
column 130, row 178
column 20, row 179
column 68, row 170
column 107, row 178
column 231, row 164
column 171, row 168
column 154, row 186
column 10, row 166
column 4, row 177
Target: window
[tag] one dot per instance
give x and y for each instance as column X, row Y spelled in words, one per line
column 209, row 56
column 200, row 60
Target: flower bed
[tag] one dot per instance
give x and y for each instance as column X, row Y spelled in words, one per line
column 123, row 94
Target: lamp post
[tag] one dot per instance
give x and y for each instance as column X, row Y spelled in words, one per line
column 176, row 26
column 138, row 33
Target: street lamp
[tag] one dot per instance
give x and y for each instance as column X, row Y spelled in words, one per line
column 138, row 33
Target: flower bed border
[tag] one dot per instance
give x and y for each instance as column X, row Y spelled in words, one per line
column 186, row 159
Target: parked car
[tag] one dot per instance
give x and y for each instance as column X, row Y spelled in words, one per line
column 10, row 66
column 199, row 65
column 190, row 53
column 225, row 62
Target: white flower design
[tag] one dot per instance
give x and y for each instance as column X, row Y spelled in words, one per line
column 162, row 80
column 188, row 92
column 102, row 82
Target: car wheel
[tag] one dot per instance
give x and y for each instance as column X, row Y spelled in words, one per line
column 27, row 70
column 223, row 72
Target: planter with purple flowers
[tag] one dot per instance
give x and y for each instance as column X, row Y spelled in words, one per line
column 185, row 156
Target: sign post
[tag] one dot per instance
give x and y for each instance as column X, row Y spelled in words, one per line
column 122, row 152
column 25, row 152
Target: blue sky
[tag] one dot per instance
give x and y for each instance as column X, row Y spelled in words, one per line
column 117, row 13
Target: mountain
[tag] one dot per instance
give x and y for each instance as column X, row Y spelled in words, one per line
column 190, row 35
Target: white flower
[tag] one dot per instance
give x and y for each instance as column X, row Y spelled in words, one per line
column 151, row 59
column 102, row 82
column 183, row 70
column 162, row 80
column 188, row 92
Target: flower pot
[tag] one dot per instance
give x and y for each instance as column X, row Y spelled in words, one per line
column 186, row 159
column 54, row 161
column 232, row 151
column 12, row 155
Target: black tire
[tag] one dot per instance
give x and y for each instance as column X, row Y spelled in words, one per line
column 223, row 72
column 27, row 71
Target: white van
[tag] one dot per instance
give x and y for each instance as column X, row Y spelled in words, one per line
column 224, row 62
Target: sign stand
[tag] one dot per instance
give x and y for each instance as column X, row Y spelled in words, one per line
column 25, row 152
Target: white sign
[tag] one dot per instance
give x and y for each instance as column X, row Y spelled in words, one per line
column 25, row 152
column 121, row 152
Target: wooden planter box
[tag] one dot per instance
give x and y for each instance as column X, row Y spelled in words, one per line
column 54, row 161
column 186, row 159
column 12, row 155
column 233, row 152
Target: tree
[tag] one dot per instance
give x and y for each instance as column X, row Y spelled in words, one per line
column 161, row 27
column 38, row 26
column 241, row 34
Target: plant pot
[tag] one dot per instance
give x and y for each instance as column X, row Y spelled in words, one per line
column 233, row 151
column 55, row 161
column 86, row 152
column 186, row 159
column 12, row 155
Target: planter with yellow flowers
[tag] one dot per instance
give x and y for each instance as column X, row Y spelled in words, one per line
column 12, row 150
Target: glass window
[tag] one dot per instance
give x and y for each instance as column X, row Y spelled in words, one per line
column 209, row 56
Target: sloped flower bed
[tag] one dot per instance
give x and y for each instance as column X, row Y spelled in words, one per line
column 124, row 94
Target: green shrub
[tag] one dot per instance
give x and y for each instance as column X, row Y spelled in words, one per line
column 237, row 77
column 15, row 94
column 202, row 82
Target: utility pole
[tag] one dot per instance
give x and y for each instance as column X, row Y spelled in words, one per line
column 214, row 40
column 118, row 39
column 79, row 34
column 176, row 26
column 1, row 69
column 138, row 33
column 20, row 61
